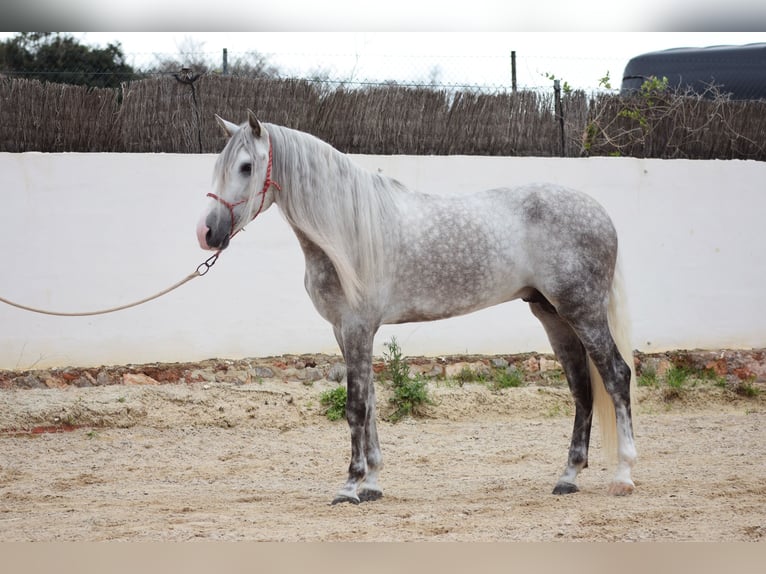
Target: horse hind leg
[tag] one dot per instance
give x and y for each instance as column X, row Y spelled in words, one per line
column 611, row 373
column 574, row 360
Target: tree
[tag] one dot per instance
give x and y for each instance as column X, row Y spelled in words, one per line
column 192, row 55
column 60, row 58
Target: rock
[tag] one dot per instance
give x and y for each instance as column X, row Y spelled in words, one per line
column 499, row 363
column 718, row 366
column 337, row 373
column 455, row 370
column 311, row 374
column 259, row 372
column 531, row 365
column 103, row 378
column 512, row 370
column 428, row 370
column 138, row 379
column 69, row 375
column 659, row 365
column 547, row 365
column 85, row 380
column 202, row 375
column 28, row 382
column 55, row 383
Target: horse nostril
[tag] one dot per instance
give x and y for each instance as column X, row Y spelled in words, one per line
column 203, row 235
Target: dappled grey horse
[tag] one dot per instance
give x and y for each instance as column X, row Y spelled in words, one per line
column 378, row 253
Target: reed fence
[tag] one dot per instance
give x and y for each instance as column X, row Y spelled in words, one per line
column 171, row 115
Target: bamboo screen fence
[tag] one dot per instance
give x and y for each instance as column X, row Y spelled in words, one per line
column 166, row 115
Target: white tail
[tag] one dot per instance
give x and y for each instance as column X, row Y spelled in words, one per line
column 619, row 325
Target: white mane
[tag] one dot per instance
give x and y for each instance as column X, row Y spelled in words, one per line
column 345, row 210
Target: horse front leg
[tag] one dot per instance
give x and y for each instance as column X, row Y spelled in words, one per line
column 370, row 489
column 362, row 482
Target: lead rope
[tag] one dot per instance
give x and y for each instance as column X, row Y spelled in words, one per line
column 201, row 270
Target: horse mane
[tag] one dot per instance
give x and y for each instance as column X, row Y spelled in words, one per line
column 345, row 210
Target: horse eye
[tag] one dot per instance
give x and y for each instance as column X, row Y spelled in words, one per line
column 246, row 169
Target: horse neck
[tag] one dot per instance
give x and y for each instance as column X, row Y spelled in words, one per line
column 307, row 165
column 341, row 208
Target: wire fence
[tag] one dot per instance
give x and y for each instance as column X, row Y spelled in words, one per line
column 478, row 73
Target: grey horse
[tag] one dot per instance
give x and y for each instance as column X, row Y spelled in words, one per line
column 377, row 253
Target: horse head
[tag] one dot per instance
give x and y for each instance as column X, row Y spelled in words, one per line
column 242, row 183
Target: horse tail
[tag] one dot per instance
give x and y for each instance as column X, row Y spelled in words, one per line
column 619, row 326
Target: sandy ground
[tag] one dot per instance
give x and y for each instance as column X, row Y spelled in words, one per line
column 259, row 461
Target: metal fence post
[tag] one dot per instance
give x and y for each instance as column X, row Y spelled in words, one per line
column 559, row 113
column 513, row 71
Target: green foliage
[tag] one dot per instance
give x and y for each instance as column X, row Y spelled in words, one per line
column 648, row 377
column 636, row 115
column 747, row 389
column 335, row 402
column 508, row 379
column 591, row 132
column 605, row 81
column 650, row 90
column 653, row 86
column 410, row 394
column 497, row 378
column 468, row 375
column 60, row 58
column 397, row 371
column 565, row 86
column 677, row 377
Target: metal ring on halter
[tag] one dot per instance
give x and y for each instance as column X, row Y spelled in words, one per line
column 205, row 266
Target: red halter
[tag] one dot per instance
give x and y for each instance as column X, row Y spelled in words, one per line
column 266, row 185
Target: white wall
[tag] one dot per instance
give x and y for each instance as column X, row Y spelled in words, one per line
column 86, row 231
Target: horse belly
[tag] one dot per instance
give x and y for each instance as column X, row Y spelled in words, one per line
column 453, row 255
column 436, row 306
column 464, row 273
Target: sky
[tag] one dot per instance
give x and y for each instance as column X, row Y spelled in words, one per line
column 581, row 58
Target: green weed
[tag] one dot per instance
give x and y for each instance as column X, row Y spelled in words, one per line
column 397, row 371
column 747, row 389
column 507, row 379
column 335, row 402
column 648, row 377
column 677, row 377
column 410, row 394
column 468, row 375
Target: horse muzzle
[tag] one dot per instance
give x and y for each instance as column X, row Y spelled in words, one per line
column 215, row 236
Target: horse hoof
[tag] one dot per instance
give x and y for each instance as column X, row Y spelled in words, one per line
column 343, row 498
column 565, row 488
column 621, row 488
column 370, row 495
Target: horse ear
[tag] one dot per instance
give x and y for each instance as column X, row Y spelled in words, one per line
column 255, row 125
column 229, row 128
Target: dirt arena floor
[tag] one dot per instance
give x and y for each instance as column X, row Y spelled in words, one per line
column 217, row 453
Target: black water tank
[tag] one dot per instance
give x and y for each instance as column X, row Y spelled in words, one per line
column 739, row 71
